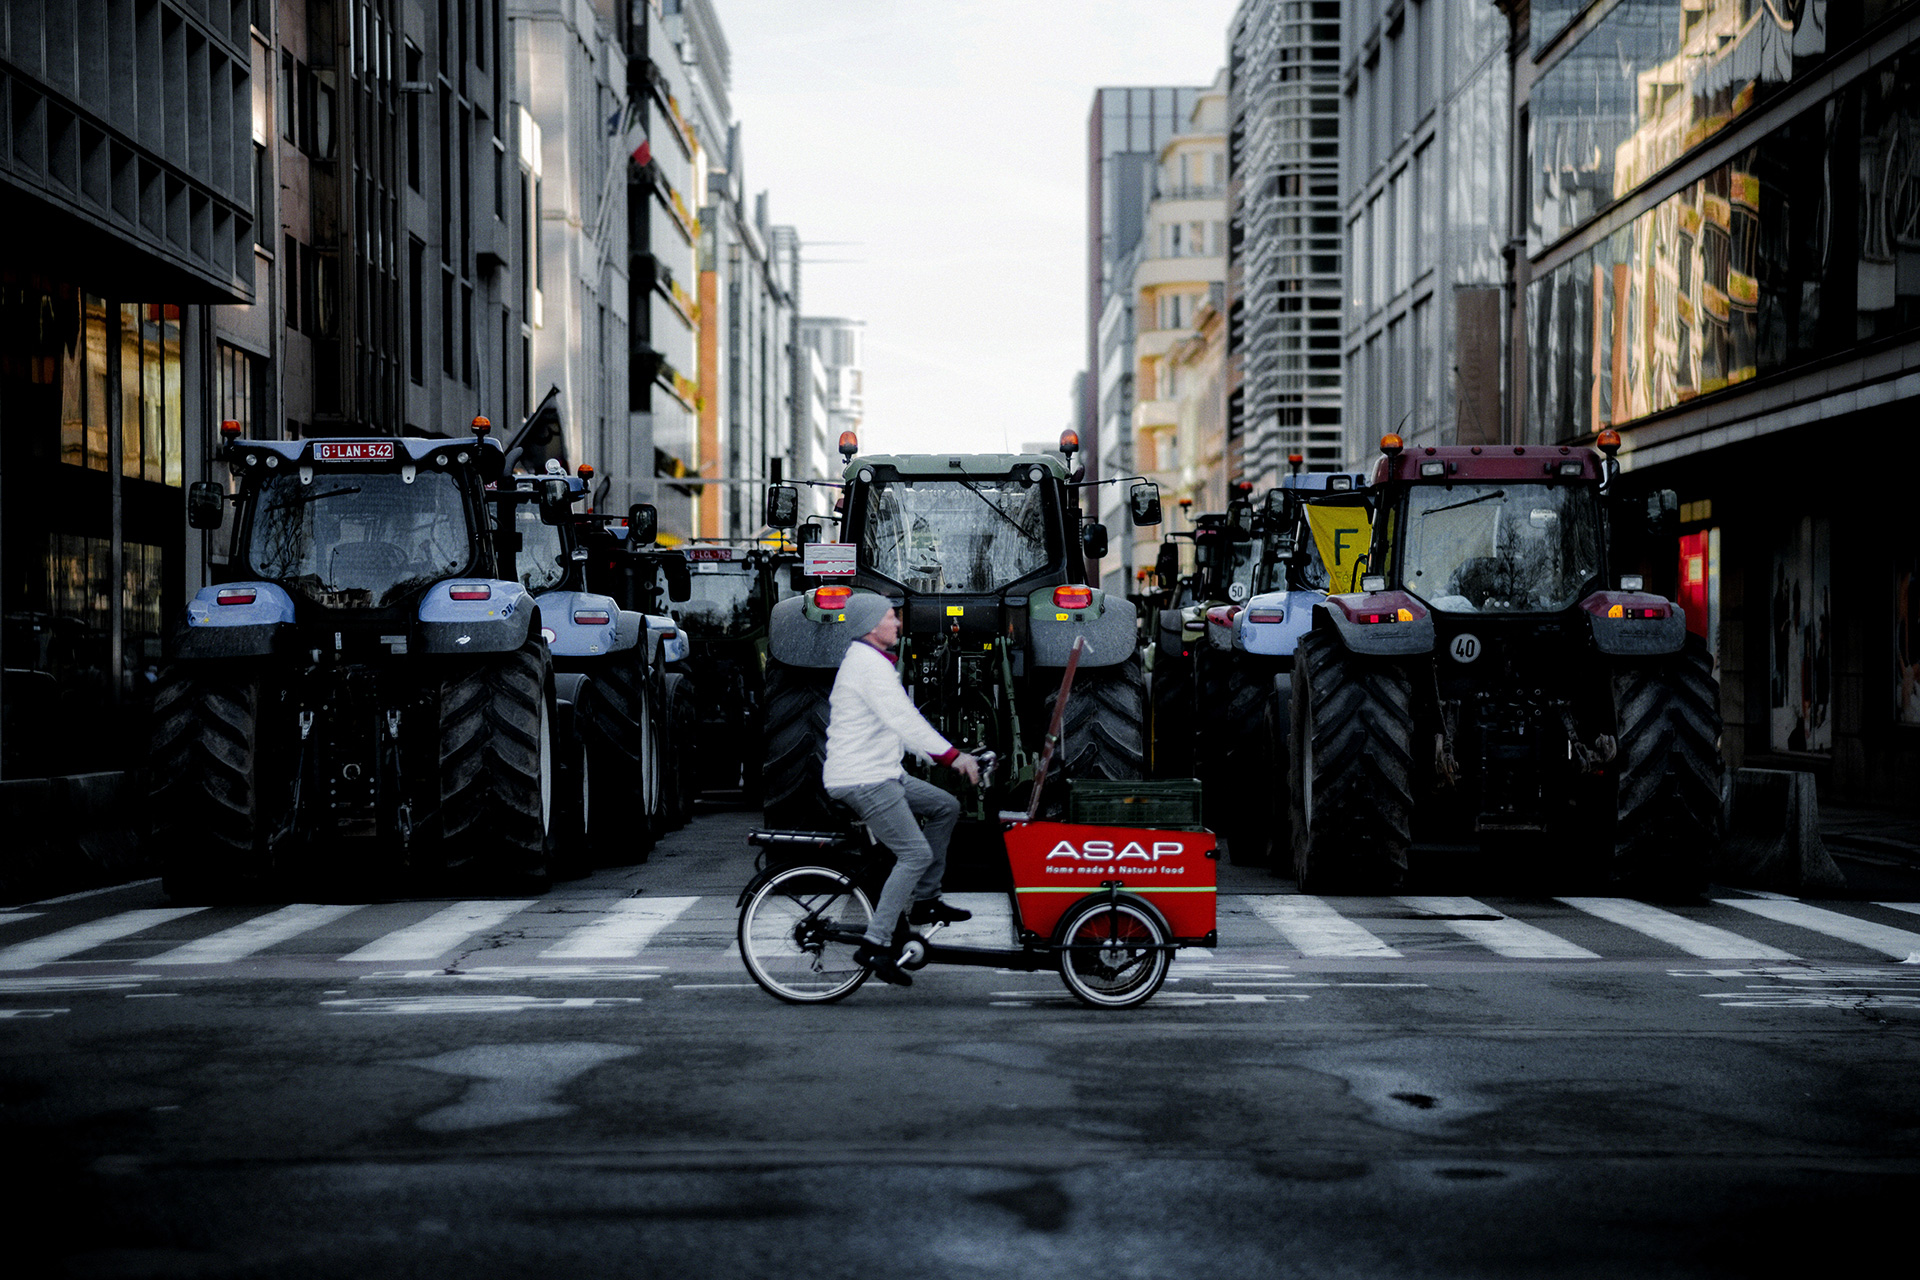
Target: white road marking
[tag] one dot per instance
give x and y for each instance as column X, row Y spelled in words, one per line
column 440, row 932
column 1911, row 908
column 1885, row 939
column 623, row 932
column 85, row 937
column 1709, row 942
column 521, row 973
column 32, row 1013
column 1315, row 929
column 254, row 935
column 1504, row 936
column 8, row 917
column 470, row 1004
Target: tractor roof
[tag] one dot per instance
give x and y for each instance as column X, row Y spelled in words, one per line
column 367, row 448
column 1323, row 480
column 1467, row 463
column 936, row 466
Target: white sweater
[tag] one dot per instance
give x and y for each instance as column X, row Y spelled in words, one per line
column 871, row 722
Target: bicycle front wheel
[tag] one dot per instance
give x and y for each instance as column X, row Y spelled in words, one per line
column 1114, row 954
column 792, row 933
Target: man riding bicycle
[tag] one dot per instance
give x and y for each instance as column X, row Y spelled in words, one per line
column 871, row 724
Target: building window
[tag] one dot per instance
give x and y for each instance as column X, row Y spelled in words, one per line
column 416, row 309
column 413, row 118
column 446, row 321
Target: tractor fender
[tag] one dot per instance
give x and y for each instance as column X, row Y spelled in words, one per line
column 1219, row 626
column 1283, row 701
column 629, row 630
column 1393, row 636
column 569, row 689
column 1172, row 636
column 498, row 624
column 1110, row 625
column 1269, row 639
column 672, row 642
column 244, row 630
column 568, row 638
column 803, row 637
column 1635, row 637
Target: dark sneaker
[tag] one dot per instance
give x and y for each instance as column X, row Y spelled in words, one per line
column 880, row 962
column 937, row 911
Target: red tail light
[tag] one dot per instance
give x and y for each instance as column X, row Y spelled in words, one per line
column 1072, row 597
column 236, row 595
column 591, row 617
column 471, row 591
column 1266, row 615
column 832, row 599
column 1221, row 615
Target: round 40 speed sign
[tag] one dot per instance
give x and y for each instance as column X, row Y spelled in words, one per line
column 1465, row 647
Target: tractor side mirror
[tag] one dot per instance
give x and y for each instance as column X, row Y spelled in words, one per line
column 643, row 524
column 783, row 506
column 1167, row 566
column 679, row 578
column 1144, row 500
column 1240, row 519
column 1093, row 540
column 205, row 504
column 1276, row 505
column 1663, row 512
column 810, row 532
column 556, row 496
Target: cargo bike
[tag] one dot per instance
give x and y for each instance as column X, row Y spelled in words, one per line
column 1103, row 903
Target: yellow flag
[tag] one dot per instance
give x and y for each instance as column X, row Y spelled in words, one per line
column 1341, row 535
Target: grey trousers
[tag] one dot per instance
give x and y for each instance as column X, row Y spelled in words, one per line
column 890, row 810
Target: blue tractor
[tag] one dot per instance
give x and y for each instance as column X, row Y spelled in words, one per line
column 613, row 730
column 1312, row 531
column 369, row 685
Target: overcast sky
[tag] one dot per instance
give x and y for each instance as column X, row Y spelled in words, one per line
column 948, row 139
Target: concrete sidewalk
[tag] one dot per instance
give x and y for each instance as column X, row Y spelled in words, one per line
column 1870, row 834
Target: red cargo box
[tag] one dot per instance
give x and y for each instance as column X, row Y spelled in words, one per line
column 1055, row 864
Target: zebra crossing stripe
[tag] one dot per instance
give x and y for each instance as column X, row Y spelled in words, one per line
column 1706, row 941
column 1505, row 936
column 439, row 933
column 254, row 935
column 7, row 917
column 1885, row 939
column 1313, row 928
column 84, row 937
column 1911, row 908
column 623, row 932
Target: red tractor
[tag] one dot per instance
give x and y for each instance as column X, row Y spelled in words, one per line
column 1494, row 685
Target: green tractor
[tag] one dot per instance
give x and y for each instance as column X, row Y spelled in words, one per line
column 984, row 555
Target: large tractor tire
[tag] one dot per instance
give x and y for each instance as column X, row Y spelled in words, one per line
column 683, row 730
column 1239, row 784
column 497, row 766
column 619, row 723
column 208, row 801
column 1104, row 732
column 796, row 744
column 1668, row 772
column 1351, row 777
column 1173, row 701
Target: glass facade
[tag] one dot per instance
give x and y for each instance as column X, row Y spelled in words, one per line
column 74, row 367
column 1802, row 246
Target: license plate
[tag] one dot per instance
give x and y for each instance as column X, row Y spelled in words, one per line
column 696, row 554
column 357, row 451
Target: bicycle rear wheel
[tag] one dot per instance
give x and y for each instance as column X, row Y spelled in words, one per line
column 1114, row 954
column 788, row 932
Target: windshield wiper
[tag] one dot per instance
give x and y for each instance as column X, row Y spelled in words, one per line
column 1455, row 506
column 301, row 498
column 993, row 506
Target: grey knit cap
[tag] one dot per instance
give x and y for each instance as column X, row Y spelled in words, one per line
column 864, row 612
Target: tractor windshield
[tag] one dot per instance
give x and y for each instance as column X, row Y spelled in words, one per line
column 359, row 539
column 1515, row 547
column 725, row 601
column 956, row 536
column 543, row 556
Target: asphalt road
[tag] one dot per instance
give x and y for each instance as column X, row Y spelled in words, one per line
column 588, row 1085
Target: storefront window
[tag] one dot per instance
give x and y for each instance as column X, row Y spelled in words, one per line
column 1906, row 633
column 98, row 385
column 1800, row 610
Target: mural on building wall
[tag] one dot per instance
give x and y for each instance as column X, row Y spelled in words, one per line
column 1800, row 682
column 1906, row 644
